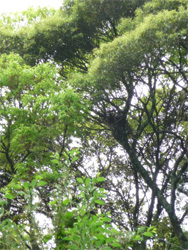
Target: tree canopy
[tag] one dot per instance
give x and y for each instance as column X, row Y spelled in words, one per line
column 94, row 126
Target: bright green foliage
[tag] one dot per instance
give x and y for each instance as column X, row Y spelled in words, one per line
column 76, row 227
column 84, row 227
column 70, row 35
column 32, row 115
column 93, row 126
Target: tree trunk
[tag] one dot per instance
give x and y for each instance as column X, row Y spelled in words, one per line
column 157, row 192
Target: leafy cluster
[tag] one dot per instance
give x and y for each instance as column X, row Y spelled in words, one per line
column 94, row 126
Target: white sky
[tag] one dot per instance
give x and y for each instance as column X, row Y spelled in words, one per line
column 7, row 6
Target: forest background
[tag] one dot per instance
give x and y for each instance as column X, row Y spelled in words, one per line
column 94, row 126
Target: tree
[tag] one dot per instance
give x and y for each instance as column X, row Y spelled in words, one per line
column 34, row 126
column 140, row 80
column 112, row 77
column 68, row 36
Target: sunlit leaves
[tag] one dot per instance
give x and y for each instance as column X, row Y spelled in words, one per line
column 34, row 103
column 130, row 90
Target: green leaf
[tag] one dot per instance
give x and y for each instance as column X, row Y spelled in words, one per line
column 76, row 238
column 80, row 180
column 110, row 239
column 69, row 214
column 3, row 202
column 52, row 202
column 26, row 185
column 148, row 234
column 137, row 237
column 106, row 219
column 73, row 247
column 2, row 210
column 38, row 177
column 18, row 186
column 106, row 248
column 100, row 236
column 41, row 183
column 68, row 238
column 87, row 182
column 152, row 229
column 22, row 193
column 33, row 183
column 94, row 180
column 65, row 202
column 55, row 161
column 9, row 196
column 100, row 202
column 74, row 159
column 141, row 229
column 115, row 244
column 100, row 179
column 98, row 243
